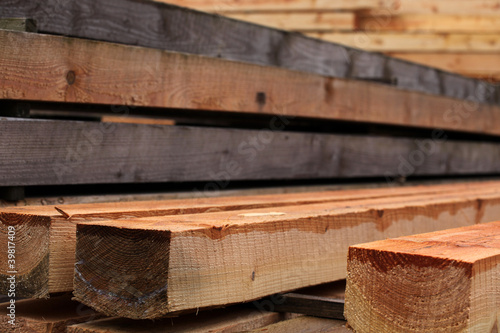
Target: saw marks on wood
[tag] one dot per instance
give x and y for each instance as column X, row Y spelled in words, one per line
column 205, row 260
column 445, row 281
column 84, row 71
column 46, row 235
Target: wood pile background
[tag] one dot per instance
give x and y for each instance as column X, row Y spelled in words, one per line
column 164, row 169
column 458, row 36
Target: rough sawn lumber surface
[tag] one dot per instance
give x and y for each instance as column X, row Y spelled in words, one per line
column 445, row 281
column 46, row 236
column 213, row 259
column 168, row 27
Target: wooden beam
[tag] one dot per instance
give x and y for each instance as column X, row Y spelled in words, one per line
column 331, row 290
column 183, row 193
column 13, row 109
column 228, row 320
column 473, row 64
column 413, row 42
column 93, row 72
column 228, row 6
column 216, row 259
column 436, row 282
column 181, row 30
column 471, row 7
column 317, row 306
column 482, row 7
column 324, row 300
column 137, row 120
column 305, row 325
column 300, row 21
column 46, row 258
column 443, row 23
column 100, row 153
column 52, row 315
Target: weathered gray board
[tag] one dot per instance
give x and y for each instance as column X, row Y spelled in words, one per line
column 159, row 25
column 43, row 152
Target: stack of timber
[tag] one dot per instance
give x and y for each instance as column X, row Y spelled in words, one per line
column 185, row 257
column 164, row 26
column 458, row 36
column 93, row 72
column 136, row 93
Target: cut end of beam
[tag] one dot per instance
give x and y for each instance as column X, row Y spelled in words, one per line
column 125, row 290
column 396, row 292
column 436, row 282
column 26, row 257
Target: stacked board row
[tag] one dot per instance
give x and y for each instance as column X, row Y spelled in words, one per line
column 458, row 36
column 152, row 259
column 104, row 78
column 224, row 101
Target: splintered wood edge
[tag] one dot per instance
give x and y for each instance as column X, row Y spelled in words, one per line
column 113, row 247
column 31, row 244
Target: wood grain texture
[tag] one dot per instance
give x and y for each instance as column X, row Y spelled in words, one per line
column 472, row 7
column 163, row 26
column 31, row 239
column 305, row 325
column 74, row 198
column 228, row 320
column 483, row 7
column 228, row 6
column 388, row 41
column 46, row 236
column 137, row 120
column 300, row 21
column 469, row 63
column 216, row 259
column 82, row 71
column 48, row 152
column 444, row 23
column 52, row 315
column 435, row 282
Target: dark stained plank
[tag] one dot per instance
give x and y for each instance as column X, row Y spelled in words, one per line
column 311, row 305
column 164, row 26
column 324, row 300
column 382, row 7
column 36, row 152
